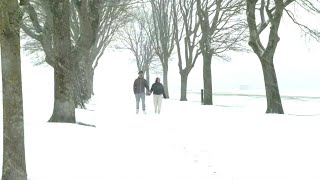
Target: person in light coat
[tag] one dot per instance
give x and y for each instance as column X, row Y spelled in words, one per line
column 158, row 92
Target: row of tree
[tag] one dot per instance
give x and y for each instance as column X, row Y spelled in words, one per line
column 66, row 31
column 211, row 29
column 152, row 30
column 91, row 26
column 73, row 35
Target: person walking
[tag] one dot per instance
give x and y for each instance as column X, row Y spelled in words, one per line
column 139, row 86
column 158, row 92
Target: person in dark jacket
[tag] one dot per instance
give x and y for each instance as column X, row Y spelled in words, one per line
column 158, row 92
column 139, row 86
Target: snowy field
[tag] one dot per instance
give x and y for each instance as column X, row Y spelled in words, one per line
column 231, row 140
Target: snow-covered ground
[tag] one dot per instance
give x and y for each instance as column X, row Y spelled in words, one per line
column 231, row 140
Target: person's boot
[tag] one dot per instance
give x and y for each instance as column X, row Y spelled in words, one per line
column 137, row 111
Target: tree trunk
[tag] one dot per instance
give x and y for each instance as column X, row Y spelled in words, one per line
column 165, row 80
column 64, row 108
column 148, row 76
column 82, row 82
column 14, row 164
column 274, row 104
column 184, row 85
column 207, row 79
column 89, row 25
column 90, row 80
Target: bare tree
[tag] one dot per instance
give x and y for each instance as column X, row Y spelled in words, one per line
column 270, row 15
column 93, row 26
column 115, row 14
column 85, row 34
column 14, row 163
column 187, row 27
column 64, row 107
column 135, row 38
column 37, row 24
column 266, row 54
column 222, row 30
column 163, row 42
column 312, row 8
